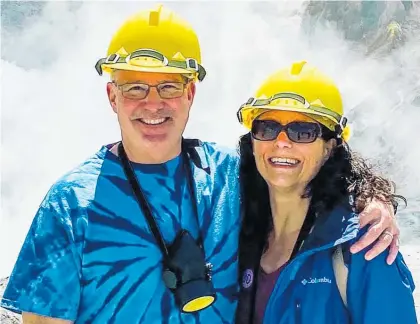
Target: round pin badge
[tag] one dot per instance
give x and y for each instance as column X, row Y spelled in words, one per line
column 248, row 278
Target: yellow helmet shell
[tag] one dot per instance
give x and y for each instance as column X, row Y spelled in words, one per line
column 159, row 30
column 323, row 99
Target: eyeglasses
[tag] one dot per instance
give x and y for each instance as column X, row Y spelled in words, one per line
column 298, row 132
column 138, row 91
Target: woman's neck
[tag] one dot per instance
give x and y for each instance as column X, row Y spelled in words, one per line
column 288, row 211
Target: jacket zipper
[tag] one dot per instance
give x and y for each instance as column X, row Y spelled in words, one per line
column 298, row 312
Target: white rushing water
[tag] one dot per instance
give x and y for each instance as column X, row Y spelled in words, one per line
column 55, row 111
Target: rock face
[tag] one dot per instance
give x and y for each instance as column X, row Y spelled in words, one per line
column 378, row 26
column 7, row 317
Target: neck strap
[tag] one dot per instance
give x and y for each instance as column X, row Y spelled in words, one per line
column 144, row 204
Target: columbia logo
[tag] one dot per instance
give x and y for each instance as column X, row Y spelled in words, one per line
column 315, row 280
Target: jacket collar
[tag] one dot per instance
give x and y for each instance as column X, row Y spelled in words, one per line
column 333, row 228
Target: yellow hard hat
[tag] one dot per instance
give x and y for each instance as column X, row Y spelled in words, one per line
column 155, row 40
column 299, row 88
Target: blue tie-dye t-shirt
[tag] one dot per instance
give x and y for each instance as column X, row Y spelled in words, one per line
column 89, row 256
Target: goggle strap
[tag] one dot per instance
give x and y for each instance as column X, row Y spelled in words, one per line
column 188, row 64
column 289, row 95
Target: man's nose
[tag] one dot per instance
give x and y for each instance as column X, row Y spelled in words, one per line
column 153, row 101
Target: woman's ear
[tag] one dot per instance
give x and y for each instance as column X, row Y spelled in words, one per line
column 329, row 149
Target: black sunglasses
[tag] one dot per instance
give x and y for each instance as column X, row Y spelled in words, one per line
column 298, row 131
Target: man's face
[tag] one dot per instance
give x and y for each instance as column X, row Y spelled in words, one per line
column 151, row 119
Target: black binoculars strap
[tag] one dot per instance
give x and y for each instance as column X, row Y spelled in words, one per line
column 143, row 203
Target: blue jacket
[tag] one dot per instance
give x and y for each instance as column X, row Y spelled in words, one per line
column 306, row 290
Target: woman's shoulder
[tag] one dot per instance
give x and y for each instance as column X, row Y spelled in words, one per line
column 376, row 269
column 337, row 226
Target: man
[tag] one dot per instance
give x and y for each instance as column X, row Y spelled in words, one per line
column 130, row 234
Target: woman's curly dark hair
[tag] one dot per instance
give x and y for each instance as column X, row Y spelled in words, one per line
column 344, row 174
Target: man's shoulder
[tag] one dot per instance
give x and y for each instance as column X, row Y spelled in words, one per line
column 216, row 152
column 79, row 183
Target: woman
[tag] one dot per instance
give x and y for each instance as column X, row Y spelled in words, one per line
column 298, row 178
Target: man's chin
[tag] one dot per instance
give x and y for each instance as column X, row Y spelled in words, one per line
column 156, row 138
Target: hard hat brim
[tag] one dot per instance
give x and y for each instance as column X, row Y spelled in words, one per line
column 156, row 69
column 320, row 117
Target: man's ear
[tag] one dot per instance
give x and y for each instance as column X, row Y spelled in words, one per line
column 191, row 91
column 112, row 96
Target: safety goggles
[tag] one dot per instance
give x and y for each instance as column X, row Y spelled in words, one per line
column 138, row 91
column 189, row 64
column 254, row 107
column 298, row 131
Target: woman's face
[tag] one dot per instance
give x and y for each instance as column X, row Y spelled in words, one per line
column 287, row 165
